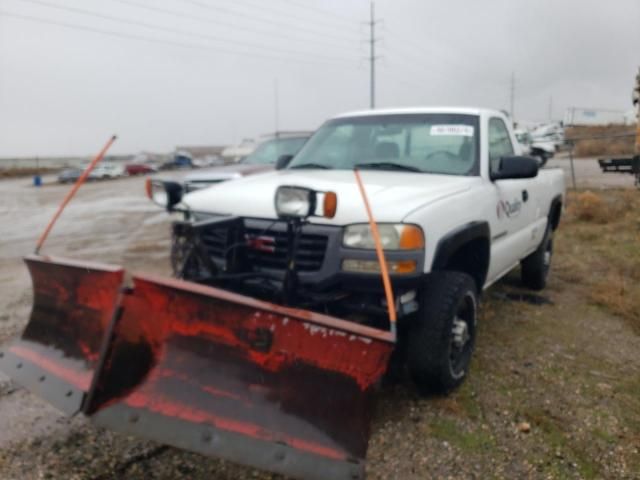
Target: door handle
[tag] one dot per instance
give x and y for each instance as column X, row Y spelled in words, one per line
column 525, row 195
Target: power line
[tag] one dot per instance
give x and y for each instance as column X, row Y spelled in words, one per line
column 111, row 33
column 414, row 74
column 420, row 53
column 415, row 81
column 271, row 10
column 322, row 11
column 213, row 21
column 228, row 11
column 410, row 81
column 431, row 68
column 172, row 30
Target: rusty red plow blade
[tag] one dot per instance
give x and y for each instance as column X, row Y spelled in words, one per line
column 202, row 369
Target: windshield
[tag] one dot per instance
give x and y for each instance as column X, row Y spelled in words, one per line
column 428, row 143
column 269, row 151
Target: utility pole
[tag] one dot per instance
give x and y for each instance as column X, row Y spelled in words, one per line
column 512, row 96
column 372, row 56
column 276, row 106
column 550, row 108
column 635, row 96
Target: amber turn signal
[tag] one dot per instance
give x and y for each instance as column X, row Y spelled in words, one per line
column 330, row 205
column 411, row 238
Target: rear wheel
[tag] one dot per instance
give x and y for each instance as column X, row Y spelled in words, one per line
column 534, row 269
column 442, row 337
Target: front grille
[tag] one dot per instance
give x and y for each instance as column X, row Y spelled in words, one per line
column 266, row 249
column 310, row 256
column 215, row 241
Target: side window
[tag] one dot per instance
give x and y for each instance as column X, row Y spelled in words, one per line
column 499, row 143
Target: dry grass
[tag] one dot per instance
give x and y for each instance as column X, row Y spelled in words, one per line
column 617, row 294
column 595, row 208
column 25, row 172
column 599, row 248
column 613, row 147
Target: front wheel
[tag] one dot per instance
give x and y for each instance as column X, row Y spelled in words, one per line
column 442, row 338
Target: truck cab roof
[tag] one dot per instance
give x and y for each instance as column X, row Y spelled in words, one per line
column 421, row 110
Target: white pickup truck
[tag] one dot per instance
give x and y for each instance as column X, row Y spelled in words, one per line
column 456, row 205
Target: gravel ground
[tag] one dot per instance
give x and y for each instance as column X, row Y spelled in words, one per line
column 554, row 390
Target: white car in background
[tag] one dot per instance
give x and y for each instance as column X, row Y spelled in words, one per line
column 104, row 171
column 262, row 159
column 542, row 149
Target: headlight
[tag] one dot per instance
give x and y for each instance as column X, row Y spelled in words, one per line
column 392, row 237
column 295, row 202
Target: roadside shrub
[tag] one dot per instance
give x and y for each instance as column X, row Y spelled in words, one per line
column 598, row 247
column 590, row 207
column 620, row 296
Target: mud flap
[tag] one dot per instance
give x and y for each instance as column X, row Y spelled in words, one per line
column 57, row 354
column 202, row 369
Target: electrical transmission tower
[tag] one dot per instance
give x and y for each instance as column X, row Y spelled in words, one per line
column 512, row 96
column 372, row 56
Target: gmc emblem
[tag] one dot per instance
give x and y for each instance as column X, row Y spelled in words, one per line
column 262, row 243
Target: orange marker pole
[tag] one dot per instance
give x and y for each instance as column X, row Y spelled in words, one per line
column 386, row 281
column 73, row 191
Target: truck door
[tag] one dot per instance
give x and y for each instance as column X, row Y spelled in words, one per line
column 513, row 207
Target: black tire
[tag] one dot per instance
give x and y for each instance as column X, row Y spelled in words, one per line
column 543, row 160
column 442, row 337
column 534, row 269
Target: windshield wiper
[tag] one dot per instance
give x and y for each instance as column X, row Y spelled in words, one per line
column 311, row 165
column 388, row 166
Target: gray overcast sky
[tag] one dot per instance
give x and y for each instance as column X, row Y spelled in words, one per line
column 63, row 91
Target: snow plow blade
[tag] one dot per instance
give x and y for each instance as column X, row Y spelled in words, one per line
column 57, row 354
column 225, row 375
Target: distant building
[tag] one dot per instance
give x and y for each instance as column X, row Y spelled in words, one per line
column 593, row 116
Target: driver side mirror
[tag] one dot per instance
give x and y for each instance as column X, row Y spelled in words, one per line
column 283, row 161
column 516, row 167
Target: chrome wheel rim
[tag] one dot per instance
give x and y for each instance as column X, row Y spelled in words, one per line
column 548, row 253
column 462, row 335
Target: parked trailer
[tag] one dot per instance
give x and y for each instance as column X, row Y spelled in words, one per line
column 622, row 165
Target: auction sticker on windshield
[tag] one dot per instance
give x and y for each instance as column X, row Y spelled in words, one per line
column 453, row 130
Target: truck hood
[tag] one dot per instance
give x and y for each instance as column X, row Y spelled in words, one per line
column 227, row 172
column 393, row 195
